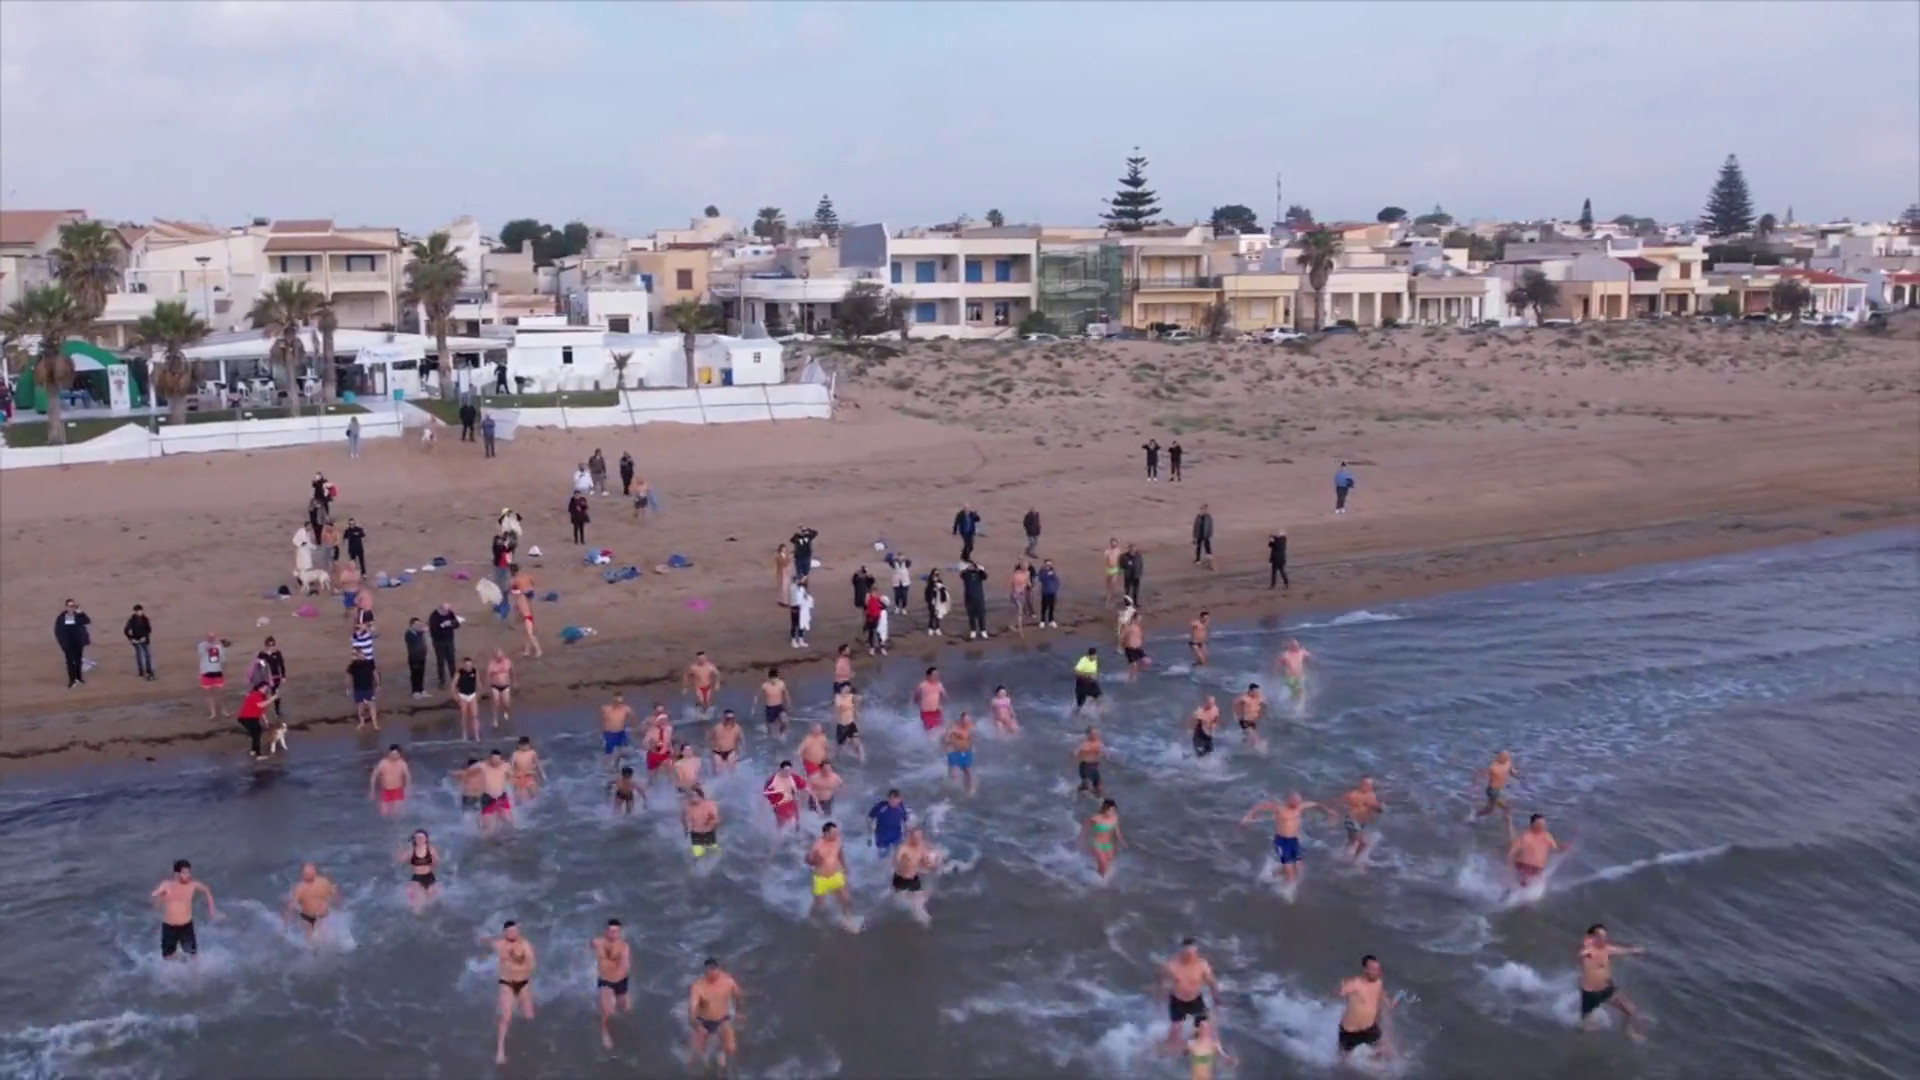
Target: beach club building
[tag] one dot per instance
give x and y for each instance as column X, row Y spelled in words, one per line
column 547, row 354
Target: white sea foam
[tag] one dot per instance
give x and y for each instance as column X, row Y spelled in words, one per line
column 1553, row 997
column 67, row 1049
column 1670, row 858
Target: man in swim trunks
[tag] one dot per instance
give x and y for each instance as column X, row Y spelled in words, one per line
column 773, row 693
column 613, row 961
column 1110, row 567
column 311, row 899
column 1205, row 719
column 500, row 685
column 1530, row 850
column 703, row 680
column 914, row 856
column 624, row 790
column 495, row 807
column 1247, row 710
column 1086, row 681
column 1086, row 759
column 175, row 898
column 813, row 749
column 514, row 960
column 822, row 786
column 830, row 872
column 1361, row 805
column 529, row 772
column 1186, row 979
column 387, row 784
column 712, row 1006
column 725, row 741
column 1292, row 664
column 1133, row 643
column 929, row 696
column 1496, row 776
column 657, row 739
column 783, row 792
column 846, row 726
column 959, row 745
column 1596, row 979
column 1286, row 829
column 889, row 816
column 466, row 696
column 615, row 716
column 1197, row 639
column 1367, row 1005
column 701, row 816
column 686, row 768
column 471, row 785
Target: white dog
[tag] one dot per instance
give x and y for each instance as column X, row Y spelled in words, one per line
column 314, row 581
column 277, row 739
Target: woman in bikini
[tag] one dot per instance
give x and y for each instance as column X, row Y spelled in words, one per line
column 1020, row 583
column 500, row 685
column 422, row 858
column 1104, row 837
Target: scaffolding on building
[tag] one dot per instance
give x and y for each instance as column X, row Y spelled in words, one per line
column 1079, row 284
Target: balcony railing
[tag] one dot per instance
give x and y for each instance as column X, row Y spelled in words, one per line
column 1188, row 281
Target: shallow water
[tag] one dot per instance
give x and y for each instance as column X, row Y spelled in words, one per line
column 1728, row 745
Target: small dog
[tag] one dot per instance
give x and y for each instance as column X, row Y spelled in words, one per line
column 277, row 739
column 314, row 581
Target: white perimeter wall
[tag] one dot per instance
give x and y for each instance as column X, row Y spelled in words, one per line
column 707, row 405
column 134, row 442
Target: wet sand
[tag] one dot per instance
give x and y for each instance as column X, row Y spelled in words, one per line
column 1480, row 460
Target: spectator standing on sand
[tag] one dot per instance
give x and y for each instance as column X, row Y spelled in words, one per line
column 1030, row 524
column 1203, row 537
column 902, row 582
column 582, row 480
column 416, row 639
column 440, row 629
column 1174, row 454
column 802, row 609
column 1342, row 487
column 269, row 669
column 597, row 468
column 862, row 585
column 973, row 587
column 577, row 514
column 802, row 541
column 502, row 556
column 213, row 672
column 626, row 473
column 966, row 525
column 939, row 602
column 1277, row 559
column 1132, row 566
column 1049, row 594
column 356, row 538
column 468, row 415
column 487, row 430
column 353, row 439
column 139, row 632
column 1152, row 448
column 71, row 633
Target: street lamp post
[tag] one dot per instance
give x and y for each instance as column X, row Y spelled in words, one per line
column 206, row 288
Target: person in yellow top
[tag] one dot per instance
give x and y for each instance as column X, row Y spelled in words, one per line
column 1086, row 681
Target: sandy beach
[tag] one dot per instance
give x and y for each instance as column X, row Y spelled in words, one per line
column 1481, row 458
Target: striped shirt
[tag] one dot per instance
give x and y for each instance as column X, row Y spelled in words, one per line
column 363, row 644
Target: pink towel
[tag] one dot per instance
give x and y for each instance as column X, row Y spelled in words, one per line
column 305, row 611
column 694, row 603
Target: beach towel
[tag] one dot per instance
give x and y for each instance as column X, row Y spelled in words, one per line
column 679, row 562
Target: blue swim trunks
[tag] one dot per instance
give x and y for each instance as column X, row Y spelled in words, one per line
column 1287, row 849
column 612, row 740
column 960, row 759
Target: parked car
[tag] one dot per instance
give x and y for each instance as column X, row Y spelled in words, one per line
column 1179, row 335
column 1280, row 335
column 1043, row 338
column 1338, row 328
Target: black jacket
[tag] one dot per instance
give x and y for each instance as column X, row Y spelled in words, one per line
column 139, row 629
column 416, row 645
column 965, row 523
column 1202, row 527
column 974, row 582
column 76, row 636
column 1031, row 523
column 441, row 625
column 802, row 542
column 1131, row 564
column 1276, row 551
column 356, row 538
column 862, row 585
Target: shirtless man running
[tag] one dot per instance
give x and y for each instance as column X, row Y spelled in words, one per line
column 822, row 787
column 959, row 743
column 1197, row 639
column 1186, row 979
column 782, row 792
column 657, row 739
column 914, row 857
column 496, row 807
column 1530, row 850
column 1362, row 804
column 175, row 898
column 929, row 696
column 1086, row 760
column 1133, row 644
column 388, row 783
column 842, row 669
column 471, row 785
column 846, row 724
column 1247, row 710
column 813, row 749
column 500, row 685
column 1496, row 776
column 1596, row 979
column 311, row 899
column 1367, row 1005
column 1286, row 829
column 701, row 816
column 725, row 741
column 703, row 681
column 1110, row 566
column 529, row 772
column 829, row 867
column 686, row 769
column 1205, row 719
column 615, row 717
column 613, row 961
column 1292, row 665
column 713, row 1005
column 514, row 961
column 773, row 693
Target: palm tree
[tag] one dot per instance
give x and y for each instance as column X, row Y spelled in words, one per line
column 87, row 262
column 692, row 318
column 280, row 314
column 326, row 322
column 53, row 315
column 620, row 361
column 1319, row 251
column 770, row 224
column 434, row 278
column 170, row 330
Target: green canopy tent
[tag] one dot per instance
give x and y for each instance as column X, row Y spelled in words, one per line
column 90, row 362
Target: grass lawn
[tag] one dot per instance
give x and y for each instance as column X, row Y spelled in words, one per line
column 34, row 432
column 449, row 411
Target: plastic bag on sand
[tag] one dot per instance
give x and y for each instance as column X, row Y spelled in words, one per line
column 489, row 592
column 571, row 634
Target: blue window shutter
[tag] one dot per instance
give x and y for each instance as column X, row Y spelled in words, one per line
column 1003, row 269
column 923, row 272
column 896, row 272
column 973, row 270
column 925, row 311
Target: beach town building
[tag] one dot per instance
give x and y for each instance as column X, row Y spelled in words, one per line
column 962, row 283
column 358, row 270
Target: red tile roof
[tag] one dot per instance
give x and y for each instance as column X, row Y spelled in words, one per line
column 1904, row 277
column 1818, row 277
column 28, row 226
column 1638, row 263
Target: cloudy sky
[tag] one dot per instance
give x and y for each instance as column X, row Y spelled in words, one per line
column 636, row 115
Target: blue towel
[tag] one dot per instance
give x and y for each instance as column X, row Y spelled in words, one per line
column 571, row 634
column 551, row 597
column 679, row 562
column 439, row 560
column 501, row 609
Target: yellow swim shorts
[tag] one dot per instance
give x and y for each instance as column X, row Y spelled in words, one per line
column 824, row 885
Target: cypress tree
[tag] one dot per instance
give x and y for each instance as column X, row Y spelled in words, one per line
column 1586, row 216
column 825, row 219
column 1729, row 206
column 1135, row 205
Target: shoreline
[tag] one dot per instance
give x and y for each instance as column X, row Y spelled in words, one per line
column 1232, row 595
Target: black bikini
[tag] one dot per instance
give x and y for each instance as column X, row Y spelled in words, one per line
column 424, row 880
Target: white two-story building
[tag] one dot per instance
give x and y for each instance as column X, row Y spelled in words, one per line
column 958, row 283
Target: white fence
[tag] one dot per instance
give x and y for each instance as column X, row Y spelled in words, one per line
column 135, row 442
column 707, row 405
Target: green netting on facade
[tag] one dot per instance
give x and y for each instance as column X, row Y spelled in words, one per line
column 1080, row 284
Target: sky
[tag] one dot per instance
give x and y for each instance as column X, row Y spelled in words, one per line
column 636, row 116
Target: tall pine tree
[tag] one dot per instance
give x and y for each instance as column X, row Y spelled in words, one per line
column 1729, row 207
column 1134, row 206
column 1586, row 217
column 825, row 219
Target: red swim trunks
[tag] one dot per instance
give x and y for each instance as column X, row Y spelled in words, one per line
column 786, row 813
column 213, row 681
column 393, row 794
column 703, row 695
column 499, row 805
column 1526, row 875
column 932, row 719
column 811, row 767
column 657, row 758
